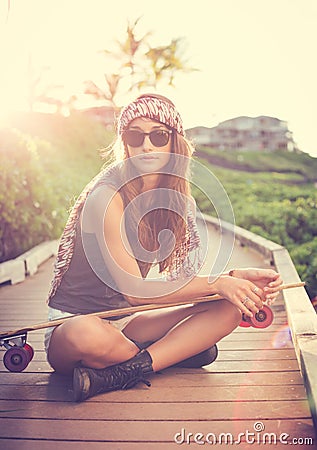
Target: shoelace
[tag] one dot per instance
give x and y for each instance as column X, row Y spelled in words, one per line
column 130, row 376
column 122, row 378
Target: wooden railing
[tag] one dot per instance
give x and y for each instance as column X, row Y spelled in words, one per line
column 302, row 318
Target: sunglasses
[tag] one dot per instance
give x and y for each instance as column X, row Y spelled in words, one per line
column 135, row 138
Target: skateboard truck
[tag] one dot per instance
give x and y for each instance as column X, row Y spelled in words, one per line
column 19, row 354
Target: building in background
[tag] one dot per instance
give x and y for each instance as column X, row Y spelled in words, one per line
column 261, row 133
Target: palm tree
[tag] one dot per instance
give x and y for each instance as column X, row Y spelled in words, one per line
column 139, row 65
column 167, row 61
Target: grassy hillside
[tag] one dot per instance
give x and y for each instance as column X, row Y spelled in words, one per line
column 298, row 167
column 276, row 198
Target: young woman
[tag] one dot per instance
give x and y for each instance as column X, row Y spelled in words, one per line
column 135, row 214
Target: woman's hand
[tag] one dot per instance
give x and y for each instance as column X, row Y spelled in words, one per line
column 243, row 293
column 268, row 280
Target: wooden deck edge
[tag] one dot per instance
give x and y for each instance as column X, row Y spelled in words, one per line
column 15, row 270
column 302, row 318
column 12, row 270
column 246, row 238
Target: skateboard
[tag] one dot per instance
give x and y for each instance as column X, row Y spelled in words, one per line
column 19, row 353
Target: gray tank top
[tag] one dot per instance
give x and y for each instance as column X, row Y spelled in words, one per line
column 81, row 290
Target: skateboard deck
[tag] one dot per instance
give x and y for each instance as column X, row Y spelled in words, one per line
column 19, row 353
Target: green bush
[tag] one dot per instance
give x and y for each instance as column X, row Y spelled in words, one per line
column 45, row 161
column 305, row 258
column 29, row 212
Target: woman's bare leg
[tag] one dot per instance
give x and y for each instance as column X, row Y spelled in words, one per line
column 183, row 332
column 89, row 341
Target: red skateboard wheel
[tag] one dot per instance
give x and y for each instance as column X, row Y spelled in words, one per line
column 30, row 351
column 245, row 322
column 16, row 359
column 263, row 318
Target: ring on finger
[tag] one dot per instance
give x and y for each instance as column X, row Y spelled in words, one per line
column 255, row 289
column 245, row 300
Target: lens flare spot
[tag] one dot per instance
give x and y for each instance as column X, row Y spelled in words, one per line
column 282, row 338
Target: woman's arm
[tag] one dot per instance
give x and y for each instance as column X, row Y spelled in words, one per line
column 103, row 215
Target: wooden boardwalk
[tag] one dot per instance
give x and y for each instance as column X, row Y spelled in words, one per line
column 255, row 386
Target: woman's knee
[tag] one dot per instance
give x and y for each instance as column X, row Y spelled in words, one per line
column 85, row 334
column 231, row 316
column 89, row 341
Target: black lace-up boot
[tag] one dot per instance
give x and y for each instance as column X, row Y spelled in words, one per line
column 201, row 359
column 88, row 382
column 193, row 362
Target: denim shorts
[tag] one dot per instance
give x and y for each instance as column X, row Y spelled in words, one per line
column 54, row 314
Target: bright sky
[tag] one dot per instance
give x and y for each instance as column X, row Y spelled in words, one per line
column 255, row 56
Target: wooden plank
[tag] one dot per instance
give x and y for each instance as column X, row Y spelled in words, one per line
column 43, row 444
column 167, row 411
column 253, row 366
column 255, row 355
column 258, row 335
column 170, row 377
column 273, row 344
column 154, row 431
column 156, row 394
column 217, row 366
column 34, row 366
column 43, row 393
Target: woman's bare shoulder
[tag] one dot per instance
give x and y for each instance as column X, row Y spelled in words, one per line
column 104, row 195
column 102, row 203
